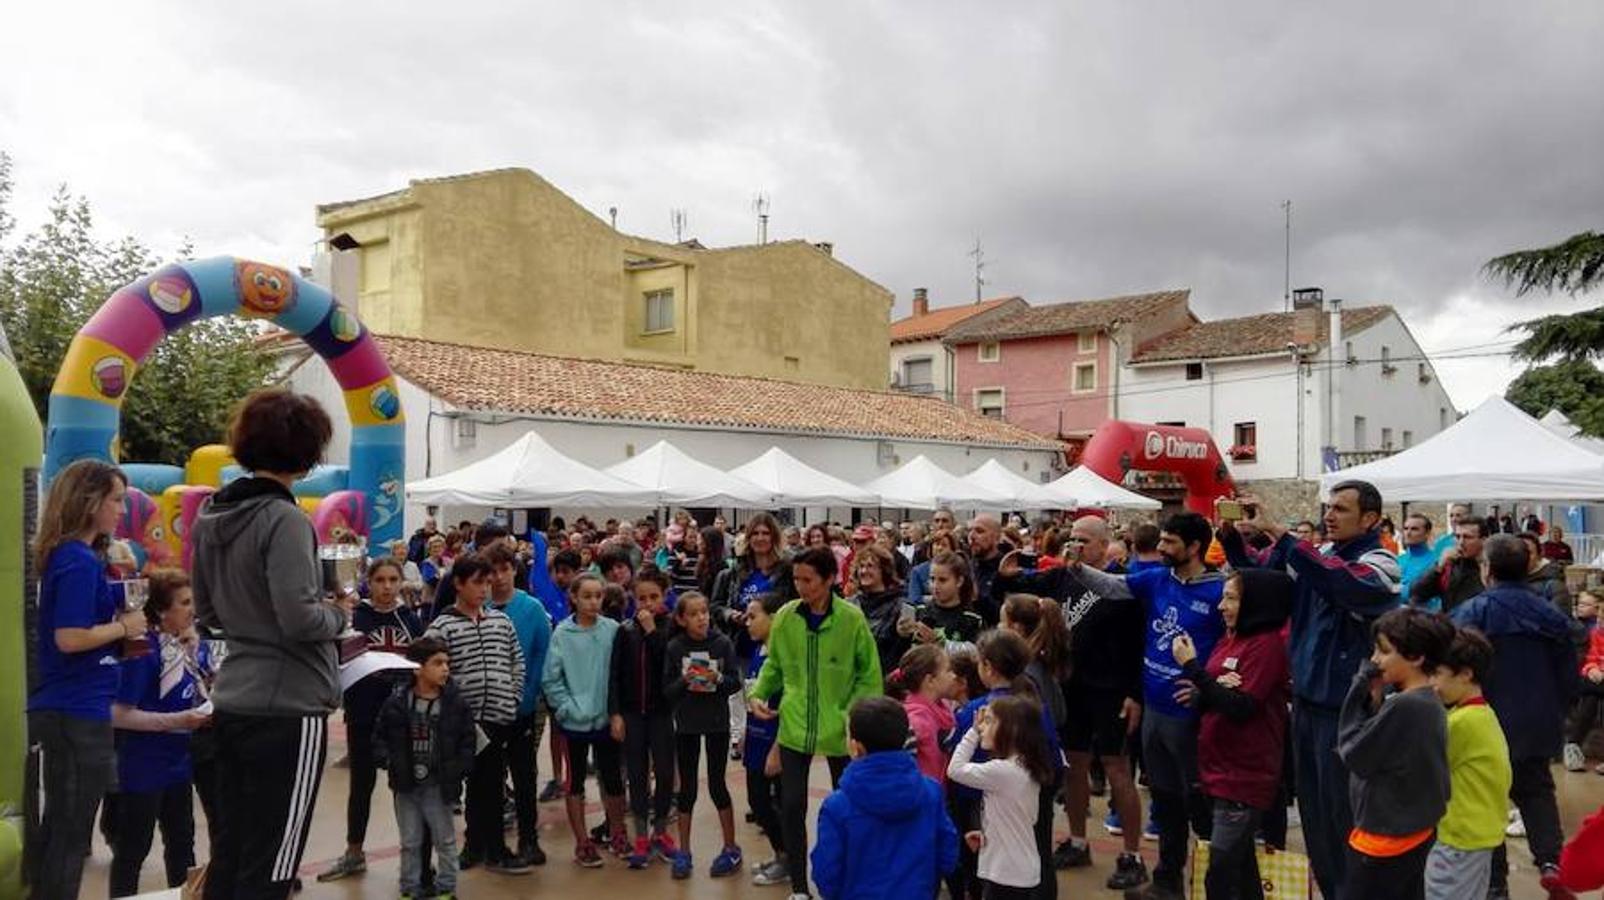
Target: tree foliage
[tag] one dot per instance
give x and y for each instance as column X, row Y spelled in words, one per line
column 1575, row 387
column 1575, row 266
column 55, row 277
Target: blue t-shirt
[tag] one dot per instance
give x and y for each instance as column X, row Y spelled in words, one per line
column 153, row 761
column 760, row 733
column 1174, row 607
column 74, row 593
column 756, row 583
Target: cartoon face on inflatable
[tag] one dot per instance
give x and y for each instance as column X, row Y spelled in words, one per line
column 340, row 517
column 142, row 526
column 170, row 294
column 264, row 291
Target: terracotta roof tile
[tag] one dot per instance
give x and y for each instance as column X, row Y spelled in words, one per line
column 1248, row 335
column 1062, row 318
column 491, row 380
column 936, row 322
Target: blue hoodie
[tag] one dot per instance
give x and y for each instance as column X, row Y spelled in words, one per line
column 533, row 625
column 578, row 670
column 1338, row 591
column 1413, row 562
column 1534, row 668
column 540, row 584
column 884, row 833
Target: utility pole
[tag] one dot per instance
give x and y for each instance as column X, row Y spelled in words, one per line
column 676, row 218
column 1286, row 296
column 760, row 205
column 980, row 268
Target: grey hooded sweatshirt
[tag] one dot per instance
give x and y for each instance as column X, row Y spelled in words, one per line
column 257, row 579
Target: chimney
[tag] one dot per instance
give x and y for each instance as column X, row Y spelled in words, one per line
column 921, row 302
column 1305, row 325
column 825, row 247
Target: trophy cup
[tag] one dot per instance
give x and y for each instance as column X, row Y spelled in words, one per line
column 132, row 594
column 342, row 569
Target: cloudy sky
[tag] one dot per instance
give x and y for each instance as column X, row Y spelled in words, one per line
column 1093, row 148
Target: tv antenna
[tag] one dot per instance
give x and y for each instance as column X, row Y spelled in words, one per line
column 760, row 205
column 676, row 218
column 980, row 268
column 1286, row 286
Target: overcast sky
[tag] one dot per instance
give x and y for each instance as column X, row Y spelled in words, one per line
column 1093, row 148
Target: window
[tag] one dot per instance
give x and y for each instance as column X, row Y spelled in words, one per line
column 989, row 402
column 1387, row 368
column 1386, row 438
column 1408, row 438
column 1194, row 371
column 1361, row 433
column 1085, row 378
column 1086, row 341
column 918, row 374
column 1442, row 418
column 659, row 311
column 1245, row 441
column 1348, row 353
column 990, row 351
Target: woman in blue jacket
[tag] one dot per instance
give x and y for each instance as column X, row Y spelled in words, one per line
column 81, row 630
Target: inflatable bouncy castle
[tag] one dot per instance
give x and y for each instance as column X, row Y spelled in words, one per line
column 1118, row 447
column 86, row 402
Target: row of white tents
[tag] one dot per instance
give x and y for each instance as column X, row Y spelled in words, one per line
column 531, row 473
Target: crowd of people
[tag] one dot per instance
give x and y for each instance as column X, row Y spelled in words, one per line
column 963, row 684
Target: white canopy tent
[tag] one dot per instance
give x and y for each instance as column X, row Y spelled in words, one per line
column 1497, row 452
column 1020, row 491
column 529, row 472
column 921, row 484
column 1082, row 487
column 678, row 479
column 1561, row 424
column 793, row 482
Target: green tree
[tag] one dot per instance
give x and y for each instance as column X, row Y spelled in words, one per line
column 55, row 277
column 1575, row 387
column 1575, row 266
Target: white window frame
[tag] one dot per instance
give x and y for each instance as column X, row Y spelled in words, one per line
column 996, row 351
column 902, row 370
column 1002, row 400
column 1408, row 439
column 1386, row 438
column 1086, row 341
column 1074, row 378
column 1361, row 432
column 648, row 298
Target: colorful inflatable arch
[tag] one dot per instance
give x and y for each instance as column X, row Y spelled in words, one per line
column 86, row 402
column 1118, row 447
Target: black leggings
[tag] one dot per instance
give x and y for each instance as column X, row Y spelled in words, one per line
column 689, row 747
column 134, row 824
column 1047, row 888
column 364, row 775
column 607, row 771
column 649, row 745
column 763, row 795
column 794, row 767
column 964, row 882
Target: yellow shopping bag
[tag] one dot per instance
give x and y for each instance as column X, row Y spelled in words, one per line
column 1284, row 873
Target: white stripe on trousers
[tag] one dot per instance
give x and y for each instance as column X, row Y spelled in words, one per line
column 301, row 794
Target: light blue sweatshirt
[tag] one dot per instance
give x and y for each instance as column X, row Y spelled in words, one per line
column 577, row 669
column 533, row 625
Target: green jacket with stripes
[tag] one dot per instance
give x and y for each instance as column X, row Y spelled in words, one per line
column 821, row 673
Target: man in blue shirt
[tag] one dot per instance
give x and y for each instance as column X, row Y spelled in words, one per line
column 1419, row 553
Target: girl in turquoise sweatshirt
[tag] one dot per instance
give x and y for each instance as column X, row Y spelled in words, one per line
column 576, row 679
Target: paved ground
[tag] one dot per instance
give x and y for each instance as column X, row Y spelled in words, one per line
column 1580, row 794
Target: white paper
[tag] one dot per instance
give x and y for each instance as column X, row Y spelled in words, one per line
column 369, row 663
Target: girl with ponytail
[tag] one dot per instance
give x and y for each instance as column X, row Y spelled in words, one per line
column 923, row 681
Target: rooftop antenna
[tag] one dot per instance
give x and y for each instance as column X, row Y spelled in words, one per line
column 760, row 205
column 1286, row 287
column 980, row 268
column 612, row 215
column 676, row 217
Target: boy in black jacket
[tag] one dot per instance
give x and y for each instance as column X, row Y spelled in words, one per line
column 425, row 738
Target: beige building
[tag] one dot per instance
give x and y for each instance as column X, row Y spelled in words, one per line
column 504, row 259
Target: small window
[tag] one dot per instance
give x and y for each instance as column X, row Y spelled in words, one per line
column 990, row 351
column 1408, row 439
column 1387, row 368
column 1386, row 438
column 659, row 311
column 989, row 402
column 917, row 374
column 1086, row 342
column 1194, row 371
column 1085, row 378
column 1442, row 418
column 1348, row 354
column 1361, row 433
column 1245, row 441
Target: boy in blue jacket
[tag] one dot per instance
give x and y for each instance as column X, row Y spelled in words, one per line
column 533, row 624
column 885, row 831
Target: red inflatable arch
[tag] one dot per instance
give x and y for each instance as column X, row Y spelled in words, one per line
column 1119, row 447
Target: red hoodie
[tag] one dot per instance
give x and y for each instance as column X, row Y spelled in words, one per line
column 1240, row 758
column 1581, row 865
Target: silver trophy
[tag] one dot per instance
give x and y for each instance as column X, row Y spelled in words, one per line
column 132, row 594
column 342, row 571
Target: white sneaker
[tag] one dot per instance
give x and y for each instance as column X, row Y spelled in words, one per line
column 1293, row 819
column 1517, row 826
column 775, row 871
column 1575, row 760
column 801, row 897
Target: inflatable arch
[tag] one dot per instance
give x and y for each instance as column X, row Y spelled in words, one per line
column 1118, row 447
column 86, row 402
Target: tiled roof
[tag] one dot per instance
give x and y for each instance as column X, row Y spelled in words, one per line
column 489, row 380
column 936, row 322
column 1249, row 335
column 1063, row 318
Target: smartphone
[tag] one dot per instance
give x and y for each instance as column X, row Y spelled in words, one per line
column 1229, row 511
column 1028, row 559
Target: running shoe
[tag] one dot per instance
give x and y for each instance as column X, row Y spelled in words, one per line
column 586, row 855
column 507, row 865
column 618, row 845
column 552, row 791
column 347, row 865
column 663, row 847
column 775, row 871
column 1129, row 873
column 642, row 855
column 682, row 866
column 1111, row 824
column 1517, row 825
column 1150, row 831
column 1575, row 760
column 728, row 862
column 1069, row 855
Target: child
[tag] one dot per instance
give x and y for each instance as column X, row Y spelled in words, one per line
column 578, row 667
column 1396, row 751
column 949, row 617
column 1584, row 711
column 154, row 713
column 425, row 738
column 885, row 831
column 966, row 683
column 615, row 603
column 639, row 716
column 1460, row 864
column 553, row 593
column 699, row 675
column 1009, row 728
column 1241, row 690
column 1040, row 622
column 760, row 754
column 923, row 681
